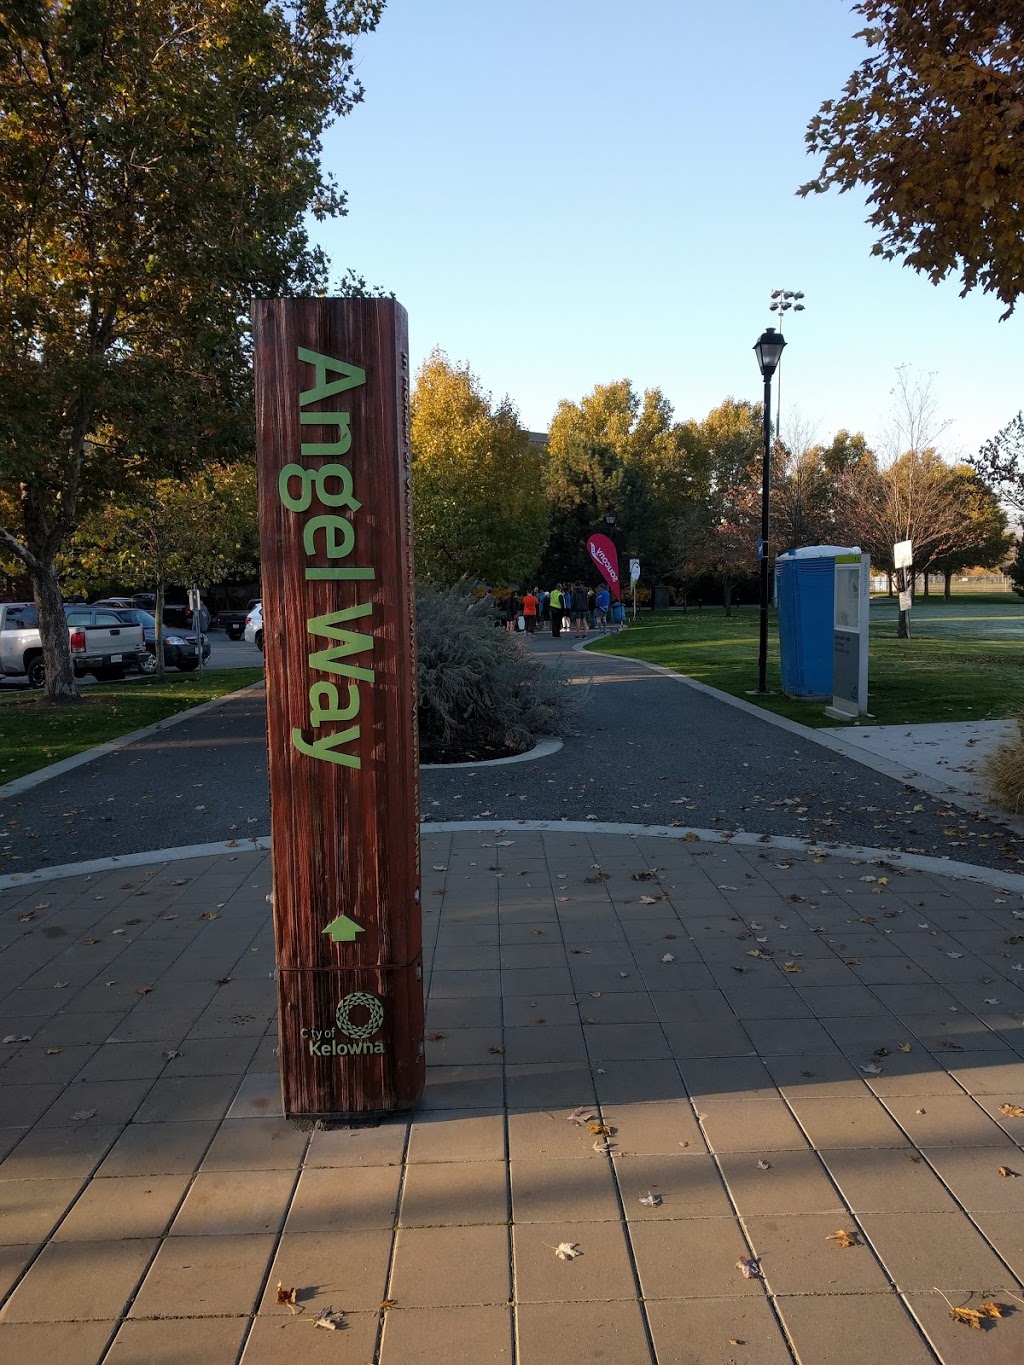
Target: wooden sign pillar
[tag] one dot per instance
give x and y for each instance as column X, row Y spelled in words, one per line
column 332, row 440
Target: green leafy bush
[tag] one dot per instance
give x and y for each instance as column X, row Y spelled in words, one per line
column 479, row 687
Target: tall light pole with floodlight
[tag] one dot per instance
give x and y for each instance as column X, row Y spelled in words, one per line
column 768, row 349
column 783, row 300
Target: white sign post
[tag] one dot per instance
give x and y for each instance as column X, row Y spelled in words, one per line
column 902, row 560
column 850, row 637
column 634, row 574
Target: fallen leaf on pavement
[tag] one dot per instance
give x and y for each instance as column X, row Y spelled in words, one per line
column 871, row 1069
column 144, row 990
column 330, row 1319
column 905, row 1047
column 17, row 1038
column 436, row 1036
column 286, row 1296
column 843, row 1238
column 972, row 1317
column 668, row 958
column 994, row 1310
column 581, row 1116
column 1012, row 1111
column 791, row 967
column 209, row 914
column 651, row 1201
column 567, row 1251
column 601, row 1128
column 80, row 1115
column 24, row 919
column 497, row 1049
column 602, row 1145
column 647, row 900
column 1007, row 1173
column 763, row 1165
column 749, row 1267
column 54, row 1051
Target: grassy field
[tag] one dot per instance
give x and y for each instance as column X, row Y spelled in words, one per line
column 33, row 733
column 965, row 660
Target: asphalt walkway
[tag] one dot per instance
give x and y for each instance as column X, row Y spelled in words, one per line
column 651, row 751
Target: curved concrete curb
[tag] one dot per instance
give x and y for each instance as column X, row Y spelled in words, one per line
column 914, row 862
column 544, row 748
column 111, row 746
column 953, row 796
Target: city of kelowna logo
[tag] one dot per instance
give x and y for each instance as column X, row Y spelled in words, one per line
column 358, row 1017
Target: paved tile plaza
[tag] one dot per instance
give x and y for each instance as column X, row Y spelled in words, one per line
column 783, row 1046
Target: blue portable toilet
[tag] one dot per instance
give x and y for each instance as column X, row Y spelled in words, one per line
column 805, row 594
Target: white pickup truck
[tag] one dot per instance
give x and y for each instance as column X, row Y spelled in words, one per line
column 101, row 643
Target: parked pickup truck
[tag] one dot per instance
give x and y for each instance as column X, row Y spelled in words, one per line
column 101, row 644
column 233, row 622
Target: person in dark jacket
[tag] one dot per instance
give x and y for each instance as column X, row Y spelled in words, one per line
column 579, row 611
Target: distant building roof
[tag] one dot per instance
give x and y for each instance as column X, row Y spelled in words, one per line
column 538, row 439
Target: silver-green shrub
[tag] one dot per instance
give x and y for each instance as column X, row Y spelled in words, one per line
column 479, row 685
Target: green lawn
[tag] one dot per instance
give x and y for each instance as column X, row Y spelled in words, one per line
column 33, row 733
column 965, row 660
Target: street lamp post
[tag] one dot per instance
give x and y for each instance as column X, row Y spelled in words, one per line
column 768, row 350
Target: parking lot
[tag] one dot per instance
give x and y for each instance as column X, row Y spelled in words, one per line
column 225, row 653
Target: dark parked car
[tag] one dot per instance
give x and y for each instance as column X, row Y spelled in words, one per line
column 232, row 621
column 180, row 650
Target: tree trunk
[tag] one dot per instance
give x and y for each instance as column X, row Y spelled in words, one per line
column 891, row 592
column 727, row 598
column 903, row 627
column 947, row 586
column 53, row 630
column 158, row 616
column 926, row 577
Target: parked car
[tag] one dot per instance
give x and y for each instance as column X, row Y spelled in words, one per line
column 233, row 622
column 101, row 644
column 254, row 626
column 180, row 651
column 175, row 613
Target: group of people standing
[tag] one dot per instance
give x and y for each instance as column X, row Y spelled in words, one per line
column 568, row 606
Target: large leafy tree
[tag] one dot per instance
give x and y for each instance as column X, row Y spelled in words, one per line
column 984, row 541
column 477, row 482
column 1000, row 462
column 157, row 165
column 617, row 451
column 932, row 125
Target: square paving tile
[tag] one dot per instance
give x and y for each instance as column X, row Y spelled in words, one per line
column 657, row 1127
column 613, row 1331
column 423, row 1336
column 602, row 1271
column 202, row 1276
column 214, row 1341
column 946, row 1121
column 972, row 1173
column 1002, row 1344
column 552, row 1043
column 235, row 1202
column 458, row 1135
column 637, row 1082
column 688, row 1331
column 463, row 1087
column 123, row 1206
column 847, row 1122
column 544, row 1191
column 343, row 1270
column 158, row 1149
column 256, row 1145
column 71, row 1343
column 548, row 1085
column 29, row 1209
column 455, row 1194
column 749, row 1125
column 330, row 1200
column 887, row 1180
column 920, row 1250
column 689, row 1185
column 835, row 1329
column 451, row 1267
column 79, row 1282
column 1006, row 1233
column 691, row 1258
column 179, row 1098
column 794, row 1182
column 279, row 1337
column 374, row 1145
column 797, row 1258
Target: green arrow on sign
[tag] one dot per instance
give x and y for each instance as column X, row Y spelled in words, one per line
column 344, row 930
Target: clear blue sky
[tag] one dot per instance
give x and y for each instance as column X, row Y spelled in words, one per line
column 568, row 192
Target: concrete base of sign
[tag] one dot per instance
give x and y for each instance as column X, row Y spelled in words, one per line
column 837, row 713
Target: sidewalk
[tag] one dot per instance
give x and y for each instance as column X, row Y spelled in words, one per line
column 783, row 1046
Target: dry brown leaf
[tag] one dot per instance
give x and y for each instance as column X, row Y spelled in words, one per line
column 90, row 941
column 286, row 1296
column 905, row 1047
column 601, row 1128
column 972, row 1317
column 144, row 990
column 581, row 1116
column 691, row 838
column 386, row 1304
column 994, row 1310
column 651, row 1201
column 791, row 967
column 209, row 914
column 1012, row 1111
column 1007, row 1173
column 843, row 1238
column 53, row 1051
column 436, row 1036
column 497, row 1049
column 749, row 1268
column 568, row 1251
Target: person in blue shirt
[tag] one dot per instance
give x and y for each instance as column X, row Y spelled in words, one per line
column 602, row 601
